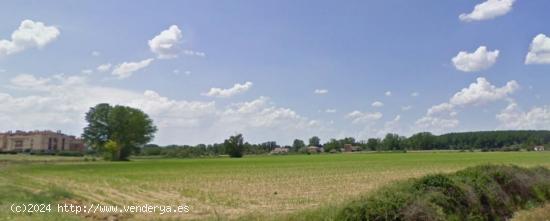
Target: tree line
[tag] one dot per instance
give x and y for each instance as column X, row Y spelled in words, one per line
column 483, row 140
column 116, row 132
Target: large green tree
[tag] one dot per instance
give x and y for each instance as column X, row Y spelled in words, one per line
column 392, row 142
column 315, row 141
column 234, row 146
column 298, row 145
column 128, row 128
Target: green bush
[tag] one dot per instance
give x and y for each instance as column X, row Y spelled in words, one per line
column 478, row 193
column 69, row 154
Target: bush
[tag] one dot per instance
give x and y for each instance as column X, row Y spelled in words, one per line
column 8, row 152
column 511, row 148
column 69, row 154
column 478, row 193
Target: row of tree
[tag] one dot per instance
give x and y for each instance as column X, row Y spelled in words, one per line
column 485, row 140
column 119, row 131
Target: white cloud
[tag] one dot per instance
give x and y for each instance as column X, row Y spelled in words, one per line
column 194, row 53
column 443, row 107
column 539, row 50
column 478, row 93
column 87, row 71
column 441, row 117
column 392, row 126
column 2, row 70
column 96, row 53
column 30, row 34
column 388, row 93
column 60, row 102
column 167, row 43
column 488, row 10
column 415, row 94
column 512, row 117
column 406, row 108
column 359, row 117
column 104, row 67
column 330, row 110
column 377, row 104
column 229, row 92
column 320, row 91
column 28, row 81
column 436, row 124
column 479, row 60
column 482, row 91
column 126, row 69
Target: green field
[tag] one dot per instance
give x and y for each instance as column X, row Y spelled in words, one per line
column 252, row 187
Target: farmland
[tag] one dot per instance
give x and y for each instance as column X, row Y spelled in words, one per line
column 251, row 187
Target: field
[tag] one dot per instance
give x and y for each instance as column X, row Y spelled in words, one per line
column 254, row 187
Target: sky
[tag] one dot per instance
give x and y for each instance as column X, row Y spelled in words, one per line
column 278, row 70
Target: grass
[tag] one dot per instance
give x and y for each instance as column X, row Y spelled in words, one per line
column 251, row 188
column 539, row 214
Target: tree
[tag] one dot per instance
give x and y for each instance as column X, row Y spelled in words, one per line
column 332, row 144
column 422, row 141
column 315, row 141
column 112, row 148
column 234, row 146
column 297, row 145
column 373, row 143
column 392, row 142
column 123, row 127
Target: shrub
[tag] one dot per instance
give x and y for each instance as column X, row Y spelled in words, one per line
column 478, row 193
column 69, row 154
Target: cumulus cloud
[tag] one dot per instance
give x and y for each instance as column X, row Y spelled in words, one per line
column 377, row 104
column 406, row 108
column 488, row 10
column 539, row 50
column 126, row 69
column 320, row 91
column 167, row 43
column 479, row 60
column 359, row 117
column 229, row 92
column 443, row 116
column 194, row 53
column 512, row 117
column 104, row 67
column 388, row 93
column 482, row 91
column 436, row 124
column 28, row 81
column 330, row 110
column 30, row 34
column 415, row 94
column 60, row 102
column 96, row 53
column 391, row 126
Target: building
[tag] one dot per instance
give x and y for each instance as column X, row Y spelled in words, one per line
column 280, row 150
column 39, row 141
column 314, row 149
column 351, row 148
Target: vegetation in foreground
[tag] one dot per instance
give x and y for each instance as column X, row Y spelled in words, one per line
column 477, row 193
column 250, row 188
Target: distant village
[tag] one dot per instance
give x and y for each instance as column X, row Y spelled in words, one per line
column 40, row 142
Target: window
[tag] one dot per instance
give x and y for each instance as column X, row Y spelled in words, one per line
column 18, row 143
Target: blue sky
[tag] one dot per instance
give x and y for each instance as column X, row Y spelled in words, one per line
column 252, row 67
